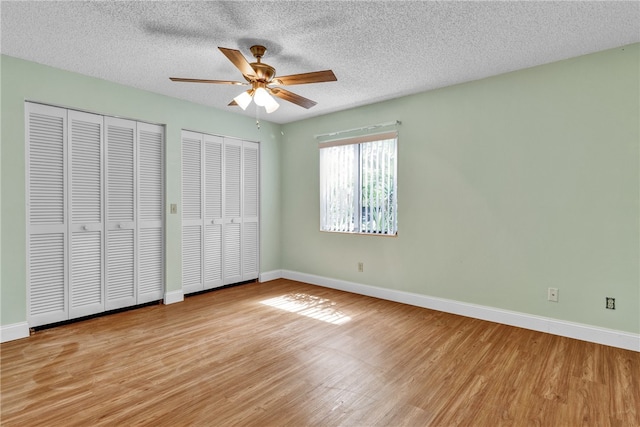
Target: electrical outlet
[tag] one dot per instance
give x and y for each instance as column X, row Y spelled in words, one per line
column 611, row 303
column 552, row 294
column 360, row 267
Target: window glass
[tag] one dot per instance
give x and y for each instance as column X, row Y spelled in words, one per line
column 358, row 191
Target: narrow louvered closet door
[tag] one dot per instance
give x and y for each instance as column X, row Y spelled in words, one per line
column 212, row 211
column 86, row 272
column 47, row 295
column 232, row 211
column 120, row 202
column 150, row 212
column 192, row 212
column 250, row 210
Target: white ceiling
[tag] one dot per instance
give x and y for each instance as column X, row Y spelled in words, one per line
column 378, row 50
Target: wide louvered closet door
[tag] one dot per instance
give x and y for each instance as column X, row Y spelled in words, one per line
column 192, row 212
column 220, row 211
column 120, row 283
column 232, row 211
column 213, row 177
column 46, row 214
column 86, row 272
column 250, row 211
column 95, row 217
column 150, row 212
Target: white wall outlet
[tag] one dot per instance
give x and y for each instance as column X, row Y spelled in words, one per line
column 552, row 294
column 611, row 303
column 361, row 267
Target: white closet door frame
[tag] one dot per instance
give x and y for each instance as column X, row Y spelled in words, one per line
column 46, row 216
column 121, row 245
column 86, row 220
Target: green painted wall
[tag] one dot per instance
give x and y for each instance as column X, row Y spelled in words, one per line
column 507, row 186
column 23, row 80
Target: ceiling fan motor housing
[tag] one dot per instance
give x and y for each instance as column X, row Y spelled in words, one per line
column 264, row 72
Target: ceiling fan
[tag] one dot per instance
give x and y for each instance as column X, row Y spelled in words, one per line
column 262, row 79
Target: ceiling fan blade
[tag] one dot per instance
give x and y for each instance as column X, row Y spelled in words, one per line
column 223, row 82
column 232, row 103
column 304, row 78
column 236, row 57
column 292, row 97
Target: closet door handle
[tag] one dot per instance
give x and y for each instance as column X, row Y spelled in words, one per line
column 84, row 227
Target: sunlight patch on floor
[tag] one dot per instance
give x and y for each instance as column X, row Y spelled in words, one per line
column 309, row 306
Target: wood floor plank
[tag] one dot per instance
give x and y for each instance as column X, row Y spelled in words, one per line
column 285, row 353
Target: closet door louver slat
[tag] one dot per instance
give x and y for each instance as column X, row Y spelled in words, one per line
column 47, row 300
column 191, row 258
column 46, row 163
column 232, row 253
column 120, row 269
column 151, row 263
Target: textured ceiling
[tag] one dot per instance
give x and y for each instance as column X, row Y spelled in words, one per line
column 378, row 50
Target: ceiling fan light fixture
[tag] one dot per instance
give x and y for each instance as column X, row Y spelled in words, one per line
column 272, row 105
column 262, row 97
column 259, row 76
column 243, row 100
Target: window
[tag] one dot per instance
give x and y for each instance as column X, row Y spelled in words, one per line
column 358, row 190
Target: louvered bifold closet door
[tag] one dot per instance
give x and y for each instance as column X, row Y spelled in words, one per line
column 120, row 202
column 150, row 212
column 86, row 272
column 213, row 177
column 232, row 211
column 250, row 210
column 192, row 212
column 46, row 129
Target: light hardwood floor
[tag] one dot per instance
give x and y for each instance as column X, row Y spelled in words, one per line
column 236, row 356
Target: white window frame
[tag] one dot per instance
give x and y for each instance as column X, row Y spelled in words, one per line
column 350, row 220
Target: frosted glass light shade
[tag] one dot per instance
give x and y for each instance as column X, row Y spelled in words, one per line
column 243, row 100
column 271, row 106
column 261, row 97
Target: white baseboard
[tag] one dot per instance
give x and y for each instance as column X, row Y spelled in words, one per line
column 173, row 296
column 14, row 331
column 610, row 337
column 270, row 275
